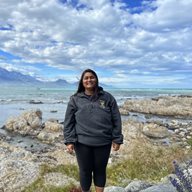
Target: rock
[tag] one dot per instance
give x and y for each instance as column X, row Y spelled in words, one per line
column 161, row 188
column 176, row 130
column 18, row 168
column 189, row 128
column 53, row 120
column 153, row 130
column 53, row 126
column 48, row 137
column 137, row 185
column 28, row 123
column 123, row 111
column 114, row 189
column 167, row 106
column 58, row 156
column 35, row 102
column 182, row 134
column 53, row 111
column 51, row 133
column 17, row 174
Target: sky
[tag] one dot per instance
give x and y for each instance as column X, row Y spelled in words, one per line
column 129, row 43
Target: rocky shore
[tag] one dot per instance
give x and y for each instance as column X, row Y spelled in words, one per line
column 27, row 143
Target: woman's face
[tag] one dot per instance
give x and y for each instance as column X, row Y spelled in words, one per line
column 89, row 81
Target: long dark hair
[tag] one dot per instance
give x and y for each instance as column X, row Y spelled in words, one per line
column 81, row 88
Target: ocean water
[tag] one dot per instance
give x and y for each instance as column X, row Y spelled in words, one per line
column 15, row 100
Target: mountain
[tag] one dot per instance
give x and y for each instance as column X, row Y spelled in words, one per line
column 60, row 82
column 16, row 78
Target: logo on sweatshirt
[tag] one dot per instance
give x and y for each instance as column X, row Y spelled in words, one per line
column 102, row 103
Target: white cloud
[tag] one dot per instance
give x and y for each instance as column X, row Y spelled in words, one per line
column 26, row 70
column 168, row 15
column 101, row 35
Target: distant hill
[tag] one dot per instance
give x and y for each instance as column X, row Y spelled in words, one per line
column 60, row 83
column 13, row 77
column 16, row 78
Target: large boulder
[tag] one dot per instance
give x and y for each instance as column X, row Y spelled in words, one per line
column 53, row 126
column 169, row 105
column 155, row 131
column 114, row 189
column 18, row 168
column 161, row 188
column 48, row 137
column 52, row 132
column 17, row 174
column 28, row 123
column 137, row 185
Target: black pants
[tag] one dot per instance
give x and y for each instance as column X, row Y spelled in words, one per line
column 92, row 160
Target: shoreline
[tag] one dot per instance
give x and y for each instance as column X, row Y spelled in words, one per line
column 32, row 141
column 55, row 108
column 140, row 111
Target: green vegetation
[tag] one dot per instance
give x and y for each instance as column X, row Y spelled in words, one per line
column 69, row 170
column 145, row 162
column 39, row 187
column 150, row 163
column 189, row 141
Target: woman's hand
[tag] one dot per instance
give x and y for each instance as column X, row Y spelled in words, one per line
column 115, row 146
column 70, row 148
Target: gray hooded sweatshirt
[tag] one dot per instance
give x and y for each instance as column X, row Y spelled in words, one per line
column 93, row 120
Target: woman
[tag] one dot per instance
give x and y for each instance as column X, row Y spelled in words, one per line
column 92, row 124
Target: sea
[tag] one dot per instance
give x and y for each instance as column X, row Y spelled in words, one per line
column 52, row 101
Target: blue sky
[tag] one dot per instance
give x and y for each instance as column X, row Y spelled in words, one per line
column 129, row 43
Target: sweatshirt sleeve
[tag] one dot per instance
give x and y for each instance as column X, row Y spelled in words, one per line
column 117, row 135
column 69, row 122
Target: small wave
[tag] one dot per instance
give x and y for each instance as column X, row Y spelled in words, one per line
column 168, row 94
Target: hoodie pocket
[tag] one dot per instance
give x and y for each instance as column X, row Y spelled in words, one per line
column 103, row 115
